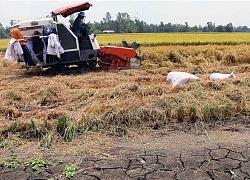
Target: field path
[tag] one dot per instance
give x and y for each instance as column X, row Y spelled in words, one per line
column 222, row 152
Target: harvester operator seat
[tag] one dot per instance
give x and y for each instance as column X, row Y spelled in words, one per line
column 81, row 30
column 83, row 39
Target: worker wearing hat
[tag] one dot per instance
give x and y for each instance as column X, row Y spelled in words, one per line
column 80, row 28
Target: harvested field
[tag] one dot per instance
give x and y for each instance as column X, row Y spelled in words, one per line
column 103, row 117
column 130, row 97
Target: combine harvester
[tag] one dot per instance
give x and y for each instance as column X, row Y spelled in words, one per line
column 88, row 55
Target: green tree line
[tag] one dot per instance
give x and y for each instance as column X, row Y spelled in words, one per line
column 123, row 23
column 4, row 32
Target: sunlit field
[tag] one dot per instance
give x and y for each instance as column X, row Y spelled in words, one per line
column 152, row 39
column 3, row 44
column 155, row 39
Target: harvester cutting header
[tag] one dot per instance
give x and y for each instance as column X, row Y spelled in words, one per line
column 54, row 44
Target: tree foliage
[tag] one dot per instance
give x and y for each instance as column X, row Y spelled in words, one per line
column 4, row 32
column 123, row 23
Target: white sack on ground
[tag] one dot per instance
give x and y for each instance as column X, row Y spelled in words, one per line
column 220, row 76
column 180, row 78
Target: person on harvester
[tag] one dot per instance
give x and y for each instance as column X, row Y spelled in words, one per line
column 80, row 28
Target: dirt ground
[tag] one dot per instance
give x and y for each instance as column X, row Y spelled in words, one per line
column 202, row 151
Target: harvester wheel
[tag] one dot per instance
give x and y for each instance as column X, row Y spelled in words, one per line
column 92, row 65
column 83, row 65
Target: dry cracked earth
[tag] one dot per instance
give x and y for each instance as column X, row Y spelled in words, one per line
column 221, row 154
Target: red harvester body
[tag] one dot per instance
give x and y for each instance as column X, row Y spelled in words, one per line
column 115, row 57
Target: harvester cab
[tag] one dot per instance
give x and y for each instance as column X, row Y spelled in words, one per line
column 82, row 52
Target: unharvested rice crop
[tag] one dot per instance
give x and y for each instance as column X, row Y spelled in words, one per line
column 155, row 39
column 3, row 44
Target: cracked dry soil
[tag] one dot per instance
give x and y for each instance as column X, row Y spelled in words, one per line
column 221, row 153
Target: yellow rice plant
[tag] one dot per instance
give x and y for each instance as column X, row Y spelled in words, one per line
column 3, row 44
column 156, row 39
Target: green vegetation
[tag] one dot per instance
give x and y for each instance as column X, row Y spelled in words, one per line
column 193, row 114
column 69, row 171
column 13, row 155
column 4, row 32
column 70, row 133
column 34, row 164
column 58, row 162
column 62, row 124
column 13, row 161
column 2, row 163
column 12, row 164
column 124, row 24
column 3, row 144
column 46, row 140
column 180, row 114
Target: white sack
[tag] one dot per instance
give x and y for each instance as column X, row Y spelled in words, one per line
column 220, row 76
column 180, row 78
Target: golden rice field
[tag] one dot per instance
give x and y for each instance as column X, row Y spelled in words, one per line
column 154, row 39
column 3, row 44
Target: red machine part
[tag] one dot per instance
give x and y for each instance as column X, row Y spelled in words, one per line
column 114, row 57
column 70, row 9
column 118, row 51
